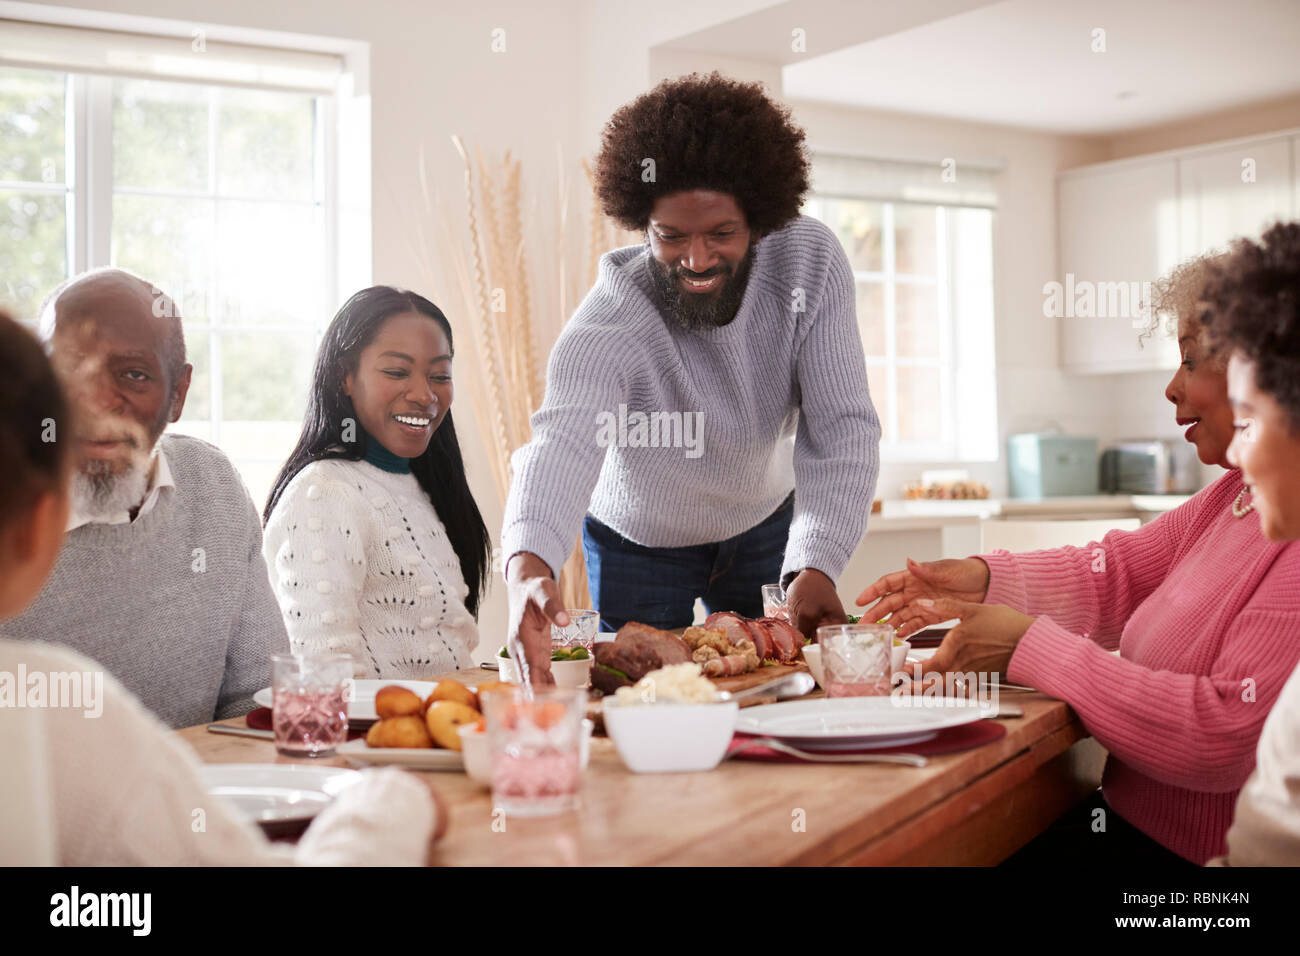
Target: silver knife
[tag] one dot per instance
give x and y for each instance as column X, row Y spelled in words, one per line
column 791, row 685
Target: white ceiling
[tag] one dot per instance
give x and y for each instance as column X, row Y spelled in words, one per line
column 1029, row 63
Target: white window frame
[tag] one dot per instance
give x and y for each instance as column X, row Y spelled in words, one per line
column 90, row 212
column 944, row 447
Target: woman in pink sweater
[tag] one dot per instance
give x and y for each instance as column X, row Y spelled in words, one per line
column 1204, row 610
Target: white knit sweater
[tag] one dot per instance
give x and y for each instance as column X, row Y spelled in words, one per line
column 361, row 565
column 116, row 788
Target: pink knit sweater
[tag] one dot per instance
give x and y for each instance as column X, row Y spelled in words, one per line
column 1205, row 613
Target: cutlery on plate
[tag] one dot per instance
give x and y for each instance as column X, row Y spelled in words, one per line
column 792, row 685
column 240, row 731
column 908, row 760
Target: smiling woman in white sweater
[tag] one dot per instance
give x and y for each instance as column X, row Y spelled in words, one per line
column 375, row 545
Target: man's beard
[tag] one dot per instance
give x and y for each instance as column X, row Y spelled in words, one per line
column 99, row 491
column 694, row 310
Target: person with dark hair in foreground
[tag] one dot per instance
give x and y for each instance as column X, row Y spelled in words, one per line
column 1253, row 312
column 161, row 577
column 375, row 544
column 706, row 407
column 97, row 780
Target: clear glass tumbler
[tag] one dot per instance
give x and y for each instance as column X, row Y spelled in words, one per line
column 536, row 747
column 856, row 659
column 309, row 703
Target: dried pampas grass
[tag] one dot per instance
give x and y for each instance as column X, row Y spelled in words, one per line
column 482, row 270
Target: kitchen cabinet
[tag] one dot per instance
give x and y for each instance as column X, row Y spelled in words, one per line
column 1234, row 191
column 1130, row 221
column 1118, row 230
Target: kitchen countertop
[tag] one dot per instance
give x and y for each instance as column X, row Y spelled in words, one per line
column 924, row 514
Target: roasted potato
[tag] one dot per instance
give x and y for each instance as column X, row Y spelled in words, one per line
column 443, row 720
column 407, row 731
column 397, row 701
column 448, row 689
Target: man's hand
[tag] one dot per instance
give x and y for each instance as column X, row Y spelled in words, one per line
column 534, row 606
column 811, row 601
column 897, row 594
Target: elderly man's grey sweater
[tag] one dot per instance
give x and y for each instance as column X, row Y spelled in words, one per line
column 177, row 604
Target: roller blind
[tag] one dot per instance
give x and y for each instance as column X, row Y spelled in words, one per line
column 946, row 183
column 199, row 59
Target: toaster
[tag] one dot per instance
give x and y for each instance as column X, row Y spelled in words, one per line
column 1156, row 467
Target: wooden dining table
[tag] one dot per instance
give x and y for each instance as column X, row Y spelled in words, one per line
column 975, row 807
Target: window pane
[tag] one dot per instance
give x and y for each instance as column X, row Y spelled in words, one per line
column 168, row 242
column 917, row 308
column 919, row 412
column 260, row 475
column 265, row 377
column 33, row 249
column 32, row 126
column 198, row 351
column 878, row 387
column 266, row 144
column 871, row 317
column 259, row 283
column 858, row 225
column 260, row 441
column 916, row 242
column 160, row 135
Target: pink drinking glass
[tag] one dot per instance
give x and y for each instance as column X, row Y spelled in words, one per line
column 535, row 746
column 857, row 659
column 774, row 602
column 309, row 703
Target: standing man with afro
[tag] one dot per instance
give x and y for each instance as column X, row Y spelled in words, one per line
column 706, row 420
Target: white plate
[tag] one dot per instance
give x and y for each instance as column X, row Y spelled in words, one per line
column 362, row 706
column 416, row 758
column 277, row 795
column 858, row 723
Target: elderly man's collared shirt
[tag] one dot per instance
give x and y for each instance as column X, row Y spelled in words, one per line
column 161, row 478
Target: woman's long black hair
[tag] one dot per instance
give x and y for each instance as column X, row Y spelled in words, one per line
column 440, row 470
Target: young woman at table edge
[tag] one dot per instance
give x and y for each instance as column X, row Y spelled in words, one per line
column 1255, row 314
column 121, row 789
column 1203, row 609
column 375, row 545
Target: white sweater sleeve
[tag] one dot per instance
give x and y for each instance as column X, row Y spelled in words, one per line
column 126, row 791
column 315, row 549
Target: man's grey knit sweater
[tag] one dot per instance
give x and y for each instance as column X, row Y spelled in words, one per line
column 177, row 604
column 781, row 395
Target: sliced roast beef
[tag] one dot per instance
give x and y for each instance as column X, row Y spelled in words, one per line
column 786, row 641
column 637, row 649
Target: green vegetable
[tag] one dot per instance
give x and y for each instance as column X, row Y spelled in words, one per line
column 854, row 618
column 503, row 653
column 614, row 670
column 578, row 653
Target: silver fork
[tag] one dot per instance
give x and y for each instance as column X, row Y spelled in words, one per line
column 908, row 760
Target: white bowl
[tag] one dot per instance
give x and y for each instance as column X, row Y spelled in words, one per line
column 566, row 673
column 812, row 655
column 477, row 751
column 670, row 738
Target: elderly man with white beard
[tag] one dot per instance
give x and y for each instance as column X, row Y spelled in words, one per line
column 161, row 577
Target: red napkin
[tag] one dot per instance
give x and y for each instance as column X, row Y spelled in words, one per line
column 965, row 737
column 260, row 719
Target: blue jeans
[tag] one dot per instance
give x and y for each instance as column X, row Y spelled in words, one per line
column 658, row 586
